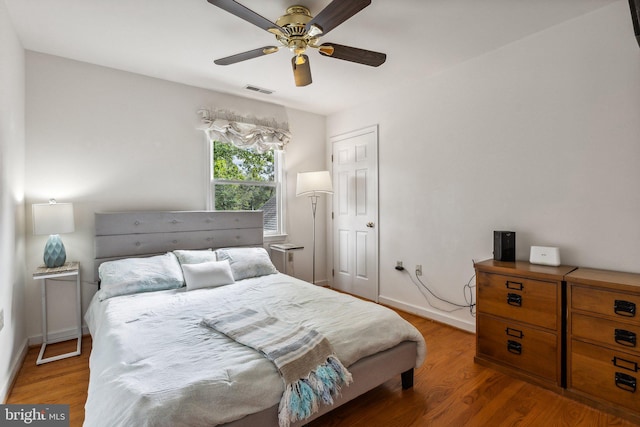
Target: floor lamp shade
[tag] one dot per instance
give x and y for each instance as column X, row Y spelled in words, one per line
column 311, row 183
column 53, row 219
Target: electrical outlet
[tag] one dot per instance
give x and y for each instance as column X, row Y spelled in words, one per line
column 1, row 319
column 418, row 270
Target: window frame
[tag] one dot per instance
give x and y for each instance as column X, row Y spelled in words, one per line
column 278, row 183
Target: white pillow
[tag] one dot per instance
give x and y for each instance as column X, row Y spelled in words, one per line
column 247, row 262
column 195, row 256
column 207, row 274
column 134, row 275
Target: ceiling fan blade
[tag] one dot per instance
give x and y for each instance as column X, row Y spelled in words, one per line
column 255, row 53
column 353, row 54
column 336, row 13
column 301, row 72
column 245, row 13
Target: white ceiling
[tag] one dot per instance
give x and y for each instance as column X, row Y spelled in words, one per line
column 178, row 40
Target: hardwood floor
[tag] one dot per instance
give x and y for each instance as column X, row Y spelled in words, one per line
column 63, row 381
column 449, row 390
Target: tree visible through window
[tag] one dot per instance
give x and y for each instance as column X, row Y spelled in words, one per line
column 244, row 179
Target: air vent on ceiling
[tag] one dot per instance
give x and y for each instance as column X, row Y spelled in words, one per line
column 258, row 89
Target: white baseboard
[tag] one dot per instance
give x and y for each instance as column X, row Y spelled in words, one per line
column 13, row 372
column 429, row 314
column 57, row 336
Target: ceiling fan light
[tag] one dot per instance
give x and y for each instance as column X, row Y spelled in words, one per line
column 300, row 59
column 301, row 72
column 297, row 46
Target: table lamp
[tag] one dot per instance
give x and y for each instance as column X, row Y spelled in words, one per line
column 312, row 183
column 53, row 219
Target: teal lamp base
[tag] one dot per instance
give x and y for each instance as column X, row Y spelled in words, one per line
column 54, row 253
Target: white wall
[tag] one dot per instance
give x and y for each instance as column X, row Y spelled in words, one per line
column 308, row 154
column 109, row 140
column 541, row 137
column 12, row 240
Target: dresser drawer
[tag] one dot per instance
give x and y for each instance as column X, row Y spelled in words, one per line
column 524, row 348
column 618, row 335
column 606, row 374
column 520, row 299
column 615, row 305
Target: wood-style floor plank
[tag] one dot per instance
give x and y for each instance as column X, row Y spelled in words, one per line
column 449, row 390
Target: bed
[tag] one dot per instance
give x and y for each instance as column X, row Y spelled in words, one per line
column 154, row 363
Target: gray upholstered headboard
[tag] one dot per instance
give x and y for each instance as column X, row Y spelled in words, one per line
column 135, row 234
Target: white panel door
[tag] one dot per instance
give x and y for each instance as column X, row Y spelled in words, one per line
column 355, row 213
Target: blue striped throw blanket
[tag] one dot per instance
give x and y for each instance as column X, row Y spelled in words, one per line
column 305, row 359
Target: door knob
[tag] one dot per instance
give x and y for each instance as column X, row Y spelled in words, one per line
column 370, row 224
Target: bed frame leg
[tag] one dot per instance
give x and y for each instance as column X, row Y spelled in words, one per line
column 407, row 379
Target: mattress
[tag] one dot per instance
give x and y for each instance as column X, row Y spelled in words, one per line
column 154, row 364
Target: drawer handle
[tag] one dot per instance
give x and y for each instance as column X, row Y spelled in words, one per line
column 514, row 285
column 625, row 364
column 625, row 338
column 624, row 308
column 514, row 347
column 625, row 382
column 514, row 299
column 514, row 333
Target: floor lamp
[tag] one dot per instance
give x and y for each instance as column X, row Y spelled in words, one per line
column 311, row 184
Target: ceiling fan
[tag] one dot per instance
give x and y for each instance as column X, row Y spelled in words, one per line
column 297, row 30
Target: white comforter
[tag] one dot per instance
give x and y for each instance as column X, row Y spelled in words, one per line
column 154, row 364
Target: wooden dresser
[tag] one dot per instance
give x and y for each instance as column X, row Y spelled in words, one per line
column 519, row 322
column 603, row 348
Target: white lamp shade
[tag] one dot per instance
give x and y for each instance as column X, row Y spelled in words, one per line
column 313, row 182
column 53, row 218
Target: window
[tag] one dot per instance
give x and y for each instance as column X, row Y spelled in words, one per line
column 243, row 179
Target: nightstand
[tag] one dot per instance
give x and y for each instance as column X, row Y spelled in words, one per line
column 43, row 273
column 282, row 255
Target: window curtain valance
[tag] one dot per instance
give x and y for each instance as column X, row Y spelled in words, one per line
column 244, row 132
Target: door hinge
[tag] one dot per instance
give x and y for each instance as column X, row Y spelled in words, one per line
column 331, row 215
column 333, row 272
column 332, row 158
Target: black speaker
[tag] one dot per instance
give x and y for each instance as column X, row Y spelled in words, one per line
column 504, row 246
